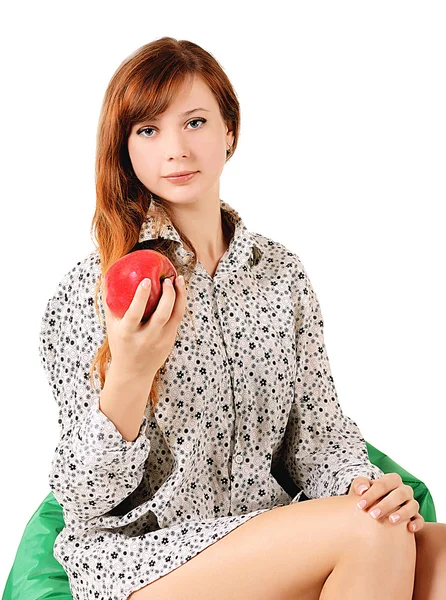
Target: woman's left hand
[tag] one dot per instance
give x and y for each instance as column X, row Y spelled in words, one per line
column 391, row 496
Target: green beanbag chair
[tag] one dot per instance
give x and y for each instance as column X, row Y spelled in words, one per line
column 37, row 575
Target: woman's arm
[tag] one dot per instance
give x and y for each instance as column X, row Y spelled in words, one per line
column 324, row 449
column 94, row 466
column 123, row 401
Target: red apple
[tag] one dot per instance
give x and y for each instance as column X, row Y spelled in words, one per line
column 125, row 274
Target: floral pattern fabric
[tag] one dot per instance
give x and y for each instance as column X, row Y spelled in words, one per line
column 247, row 392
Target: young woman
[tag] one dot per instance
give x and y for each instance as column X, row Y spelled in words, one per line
column 188, row 441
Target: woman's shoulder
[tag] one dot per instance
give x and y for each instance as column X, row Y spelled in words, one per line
column 79, row 279
column 83, row 272
column 275, row 254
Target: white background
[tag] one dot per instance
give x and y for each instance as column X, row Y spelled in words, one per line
column 341, row 158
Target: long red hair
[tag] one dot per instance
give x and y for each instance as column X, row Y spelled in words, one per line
column 142, row 87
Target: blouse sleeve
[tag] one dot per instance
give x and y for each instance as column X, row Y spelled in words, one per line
column 324, row 449
column 94, row 468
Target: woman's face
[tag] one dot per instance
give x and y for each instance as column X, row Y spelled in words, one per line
column 177, row 142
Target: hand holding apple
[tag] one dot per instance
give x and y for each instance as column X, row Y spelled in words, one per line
column 140, row 348
column 125, row 274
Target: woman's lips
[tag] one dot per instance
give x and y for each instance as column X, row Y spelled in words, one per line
column 181, row 179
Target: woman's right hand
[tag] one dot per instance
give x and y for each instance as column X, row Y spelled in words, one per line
column 140, row 349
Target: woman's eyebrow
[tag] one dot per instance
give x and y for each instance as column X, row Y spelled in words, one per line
column 185, row 114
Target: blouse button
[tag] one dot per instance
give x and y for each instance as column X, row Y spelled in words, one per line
column 239, row 459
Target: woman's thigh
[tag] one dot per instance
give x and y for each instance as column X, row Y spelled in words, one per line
column 286, row 552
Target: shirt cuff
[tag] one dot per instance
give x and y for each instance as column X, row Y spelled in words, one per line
column 99, row 444
column 343, row 478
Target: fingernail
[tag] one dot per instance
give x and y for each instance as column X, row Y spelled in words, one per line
column 145, row 283
column 168, row 282
column 375, row 513
column 394, row 518
column 181, row 280
column 363, row 488
column 361, row 504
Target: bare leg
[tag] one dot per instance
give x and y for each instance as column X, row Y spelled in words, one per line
column 430, row 571
column 380, row 563
column 290, row 552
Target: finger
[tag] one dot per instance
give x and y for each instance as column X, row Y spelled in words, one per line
column 360, row 485
column 166, row 303
column 135, row 311
column 404, row 513
column 416, row 524
column 379, row 488
column 372, row 495
column 387, row 504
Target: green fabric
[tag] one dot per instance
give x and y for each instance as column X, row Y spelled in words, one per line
column 420, row 491
column 37, row 575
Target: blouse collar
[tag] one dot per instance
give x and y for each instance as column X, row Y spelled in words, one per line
column 243, row 246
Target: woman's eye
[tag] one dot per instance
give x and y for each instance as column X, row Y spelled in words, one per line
column 146, row 129
column 197, row 121
column 152, row 129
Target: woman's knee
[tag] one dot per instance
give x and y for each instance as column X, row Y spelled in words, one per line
column 368, row 530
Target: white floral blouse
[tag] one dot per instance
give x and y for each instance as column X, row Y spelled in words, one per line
column 248, row 418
